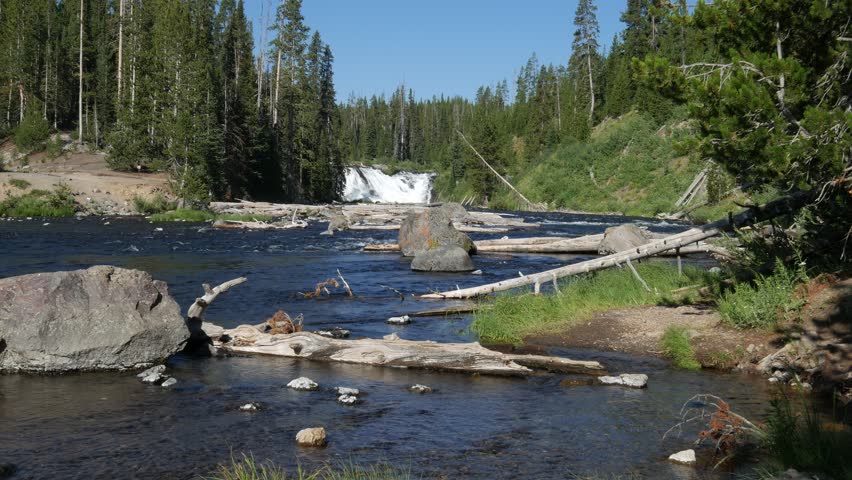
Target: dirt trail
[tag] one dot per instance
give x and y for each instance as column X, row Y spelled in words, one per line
column 96, row 188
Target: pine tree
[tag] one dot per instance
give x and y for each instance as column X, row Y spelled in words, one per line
column 585, row 49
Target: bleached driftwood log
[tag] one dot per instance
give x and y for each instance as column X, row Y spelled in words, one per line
column 673, row 242
column 393, row 352
column 553, row 245
column 196, row 310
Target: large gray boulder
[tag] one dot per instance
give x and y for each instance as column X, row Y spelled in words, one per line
column 621, row 238
column 102, row 318
column 449, row 258
column 430, row 229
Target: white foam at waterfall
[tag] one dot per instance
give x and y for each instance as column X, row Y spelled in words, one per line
column 367, row 184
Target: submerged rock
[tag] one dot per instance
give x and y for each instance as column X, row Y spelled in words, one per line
column 432, row 228
column 303, row 384
column 311, row 437
column 348, row 391
column 633, row 380
column 169, row 382
column 447, row 258
column 420, row 389
column 158, row 369
column 250, row 407
column 101, row 318
column 685, row 457
column 621, row 238
column 403, row 320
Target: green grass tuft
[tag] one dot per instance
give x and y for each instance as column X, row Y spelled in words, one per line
column 156, row 204
column 248, row 468
column 40, row 203
column 20, row 183
column 765, row 302
column 676, row 346
column 797, row 437
column 515, row 316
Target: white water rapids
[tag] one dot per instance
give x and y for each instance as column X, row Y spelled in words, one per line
column 367, row 184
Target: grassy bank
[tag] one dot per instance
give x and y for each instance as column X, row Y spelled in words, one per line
column 39, row 203
column 513, row 317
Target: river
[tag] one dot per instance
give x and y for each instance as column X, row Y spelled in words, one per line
column 110, row 425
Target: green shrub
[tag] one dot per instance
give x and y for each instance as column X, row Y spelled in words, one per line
column 798, row 438
column 515, row 316
column 54, row 148
column 765, row 302
column 676, row 346
column 20, row 183
column 156, row 204
column 40, row 203
column 32, row 132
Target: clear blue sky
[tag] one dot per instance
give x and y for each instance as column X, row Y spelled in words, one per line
column 441, row 46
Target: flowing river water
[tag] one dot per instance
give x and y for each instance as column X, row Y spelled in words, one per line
column 110, row 425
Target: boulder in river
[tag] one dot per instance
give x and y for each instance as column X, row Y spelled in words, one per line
column 430, row 229
column 448, row 258
column 685, row 457
column 311, row 437
column 101, row 318
column 303, row 383
column 621, row 238
column 633, row 380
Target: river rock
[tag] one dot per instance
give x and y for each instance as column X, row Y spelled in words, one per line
column 621, row 238
column 169, row 382
column 155, row 370
column 432, row 228
column 448, row 258
column 348, row 391
column 403, row 320
column 101, row 318
column 250, row 407
column 303, row 383
column 420, row 389
column 311, row 437
column 633, row 380
column 336, row 223
column 685, row 457
column 347, row 399
column 335, row 332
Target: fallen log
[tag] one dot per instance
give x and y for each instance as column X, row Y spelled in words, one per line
column 673, row 242
column 393, row 352
column 448, row 311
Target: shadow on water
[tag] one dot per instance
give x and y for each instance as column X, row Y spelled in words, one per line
column 110, row 425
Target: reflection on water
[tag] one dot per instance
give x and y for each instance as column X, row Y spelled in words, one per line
column 110, row 425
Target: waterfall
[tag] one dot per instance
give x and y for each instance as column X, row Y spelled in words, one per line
column 368, row 184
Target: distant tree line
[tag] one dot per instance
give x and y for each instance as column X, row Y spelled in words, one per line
column 177, row 85
column 663, row 59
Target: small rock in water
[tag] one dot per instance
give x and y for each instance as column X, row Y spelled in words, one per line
column 169, row 382
column 158, row 229
column 476, row 272
column 131, row 248
column 420, row 389
column 633, row 380
column 311, row 437
column 153, row 378
column 335, row 332
column 347, row 399
column 250, row 407
column 403, row 320
column 45, row 224
column 152, row 370
column 348, row 391
column 685, row 457
column 302, row 383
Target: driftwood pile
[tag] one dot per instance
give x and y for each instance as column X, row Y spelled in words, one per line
column 280, row 336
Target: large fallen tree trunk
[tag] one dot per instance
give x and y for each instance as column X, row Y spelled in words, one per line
column 553, row 245
column 393, row 352
column 673, row 242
